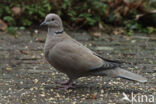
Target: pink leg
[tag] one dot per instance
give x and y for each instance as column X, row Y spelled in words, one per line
column 67, row 85
column 63, row 82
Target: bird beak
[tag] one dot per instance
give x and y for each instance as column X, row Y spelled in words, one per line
column 43, row 23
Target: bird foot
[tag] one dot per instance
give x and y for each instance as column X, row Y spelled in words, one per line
column 67, row 86
column 63, row 82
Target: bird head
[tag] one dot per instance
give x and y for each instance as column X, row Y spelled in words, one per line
column 52, row 20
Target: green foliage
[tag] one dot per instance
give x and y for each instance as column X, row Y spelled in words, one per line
column 30, row 12
column 9, row 19
column 12, row 30
column 133, row 25
column 75, row 13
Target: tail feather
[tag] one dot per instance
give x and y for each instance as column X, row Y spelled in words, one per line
column 118, row 72
column 131, row 76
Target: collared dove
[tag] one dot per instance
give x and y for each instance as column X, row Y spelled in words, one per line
column 74, row 59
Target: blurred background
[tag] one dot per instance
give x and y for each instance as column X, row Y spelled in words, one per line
column 132, row 15
column 123, row 30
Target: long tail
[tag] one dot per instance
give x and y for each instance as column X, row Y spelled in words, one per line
column 118, row 72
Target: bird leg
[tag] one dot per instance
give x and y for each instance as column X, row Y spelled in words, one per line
column 67, row 85
column 63, row 82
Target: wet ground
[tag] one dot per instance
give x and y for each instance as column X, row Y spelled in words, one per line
column 26, row 77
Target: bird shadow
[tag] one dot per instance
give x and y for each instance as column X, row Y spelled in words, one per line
column 107, row 89
column 82, row 89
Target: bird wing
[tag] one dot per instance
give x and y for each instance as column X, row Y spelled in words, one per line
column 107, row 64
column 72, row 56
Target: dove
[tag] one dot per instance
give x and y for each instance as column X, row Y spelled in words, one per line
column 75, row 60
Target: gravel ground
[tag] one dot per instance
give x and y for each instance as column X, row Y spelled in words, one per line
column 26, row 77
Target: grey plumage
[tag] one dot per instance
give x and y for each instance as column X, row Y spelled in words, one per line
column 74, row 59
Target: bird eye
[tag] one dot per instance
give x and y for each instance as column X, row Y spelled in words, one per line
column 52, row 19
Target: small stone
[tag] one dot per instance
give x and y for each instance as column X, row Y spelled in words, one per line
column 31, row 89
column 26, row 47
column 35, row 88
column 51, row 90
column 74, row 102
column 35, row 81
column 51, row 99
column 42, row 94
column 57, row 95
column 36, row 31
column 102, row 91
column 93, row 96
column 133, row 41
column 10, row 89
column 42, row 54
column 9, row 68
column 4, row 97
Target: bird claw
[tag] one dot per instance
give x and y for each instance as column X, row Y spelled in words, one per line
column 66, row 84
column 66, row 87
column 63, row 82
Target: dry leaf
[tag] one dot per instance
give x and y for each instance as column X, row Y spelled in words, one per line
column 16, row 11
column 39, row 40
column 24, row 52
column 101, row 26
column 118, row 31
column 3, row 25
column 125, row 11
column 97, row 34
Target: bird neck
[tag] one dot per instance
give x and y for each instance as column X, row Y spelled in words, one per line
column 55, row 30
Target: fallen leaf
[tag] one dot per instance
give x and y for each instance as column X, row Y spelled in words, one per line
column 16, row 11
column 23, row 52
column 101, row 26
column 3, row 25
column 97, row 34
column 39, row 40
